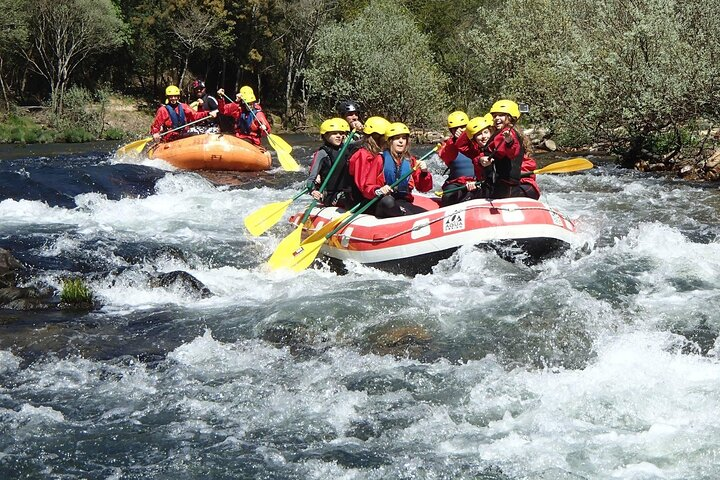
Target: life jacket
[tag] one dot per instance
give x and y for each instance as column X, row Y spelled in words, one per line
column 392, row 171
column 462, row 166
column 245, row 120
column 177, row 118
column 210, row 103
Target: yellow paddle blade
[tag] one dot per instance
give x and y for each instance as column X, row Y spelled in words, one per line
column 297, row 259
column 278, row 144
column 323, row 231
column 566, row 166
column 439, row 193
column 287, row 161
column 258, row 221
column 133, row 148
column 284, row 250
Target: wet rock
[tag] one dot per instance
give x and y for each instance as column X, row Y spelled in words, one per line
column 182, row 280
column 412, row 341
column 12, row 296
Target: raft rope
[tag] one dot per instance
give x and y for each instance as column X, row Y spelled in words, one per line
column 409, row 230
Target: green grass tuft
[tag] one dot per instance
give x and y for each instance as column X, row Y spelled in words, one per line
column 74, row 291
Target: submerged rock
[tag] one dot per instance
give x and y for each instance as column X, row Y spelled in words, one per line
column 182, row 280
column 14, row 297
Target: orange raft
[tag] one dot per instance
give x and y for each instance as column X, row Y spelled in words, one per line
column 211, row 151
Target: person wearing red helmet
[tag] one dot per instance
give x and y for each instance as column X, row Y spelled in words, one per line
column 174, row 114
column 251, row 124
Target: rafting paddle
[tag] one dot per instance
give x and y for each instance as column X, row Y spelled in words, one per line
column 292, row 240
column 302, row 257
column 138, row 145
column 260, row 220
column 281, row 147
column 564, row 166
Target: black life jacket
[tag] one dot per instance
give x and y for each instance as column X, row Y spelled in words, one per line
column 340, row 180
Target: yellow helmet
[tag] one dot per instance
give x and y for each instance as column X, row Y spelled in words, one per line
column 506, row 106
column 477, row 125
column 247, row 94
column 334, row 125
column 172, row 90
column 457, row 119
column 489, row 118
column 376, row 125
column 395, row 129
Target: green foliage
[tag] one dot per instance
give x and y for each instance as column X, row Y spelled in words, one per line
column 382, row 59
column 613, row 71
column 19, row 129
column 114, row 134
column 74, row 292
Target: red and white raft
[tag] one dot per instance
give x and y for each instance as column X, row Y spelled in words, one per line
column 517, row 228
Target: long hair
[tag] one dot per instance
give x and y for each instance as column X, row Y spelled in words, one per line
column 373, row 144
column 527, row 144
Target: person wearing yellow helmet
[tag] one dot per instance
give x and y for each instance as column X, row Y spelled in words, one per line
column 457, row 153
column 365, row 165
column 250, row 122
column 333, row 132
column 174, row 114
column 397, row 161
column 504, row 154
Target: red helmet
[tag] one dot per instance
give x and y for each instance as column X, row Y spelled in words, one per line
column 198, row 85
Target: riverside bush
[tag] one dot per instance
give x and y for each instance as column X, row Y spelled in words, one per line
column 382, row 59
column 614, row 71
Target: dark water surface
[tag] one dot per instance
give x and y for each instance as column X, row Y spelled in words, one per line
column 602, row 363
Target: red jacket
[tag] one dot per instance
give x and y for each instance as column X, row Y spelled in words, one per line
column 462, row 144
column 367, row 172
column 163, row 122
column 255, row 133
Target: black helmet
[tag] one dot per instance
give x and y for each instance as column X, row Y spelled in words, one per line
column 198, row 85
column 348, row 106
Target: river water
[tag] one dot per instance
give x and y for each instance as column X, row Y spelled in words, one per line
column 602, row 363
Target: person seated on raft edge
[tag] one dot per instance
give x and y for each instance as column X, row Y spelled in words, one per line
column 174, row 114
column 384, row 169
column 250, row 121
column 504, row 156
column 333, row 132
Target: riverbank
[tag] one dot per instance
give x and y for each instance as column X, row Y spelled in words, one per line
column 123, row 118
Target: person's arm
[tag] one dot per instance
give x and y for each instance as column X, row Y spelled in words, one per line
column 507, row 144
column 314, row 180
column 448, row 152
column 262, row 120
column 422, row 178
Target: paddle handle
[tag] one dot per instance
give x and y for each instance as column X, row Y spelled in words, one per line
column 378, row 197
column 186, row 125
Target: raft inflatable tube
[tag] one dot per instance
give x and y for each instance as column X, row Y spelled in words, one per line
column 211, row 151
column 516, row 228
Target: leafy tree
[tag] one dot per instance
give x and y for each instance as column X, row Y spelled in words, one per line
column 613, row 71
column 65, row 33
column 13, row 35
column 383, row 60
